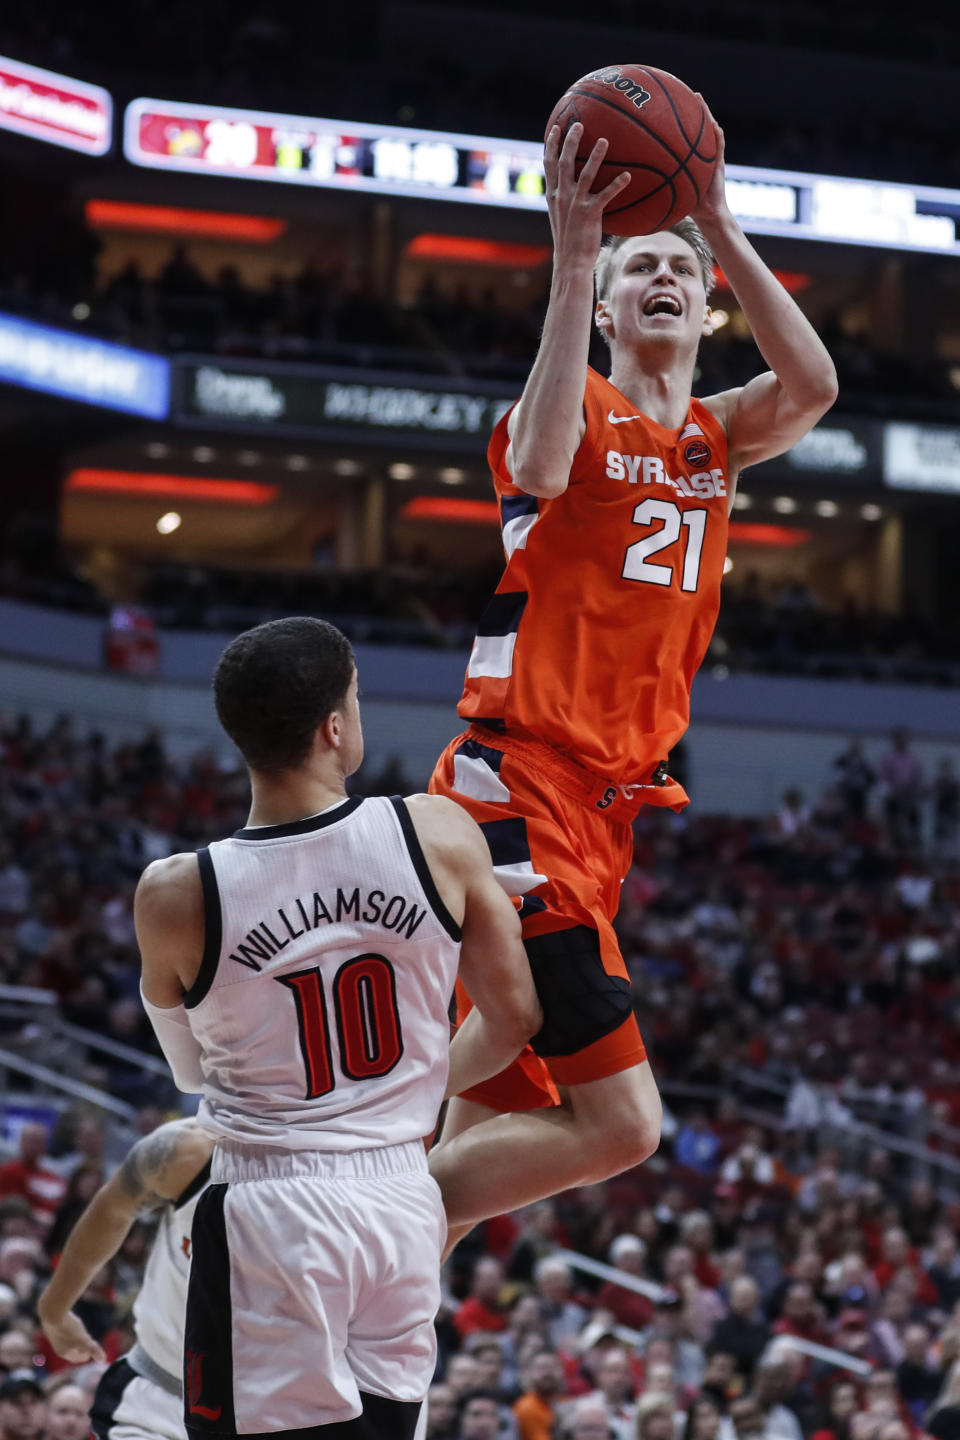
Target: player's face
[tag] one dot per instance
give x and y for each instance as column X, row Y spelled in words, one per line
column 656, row 295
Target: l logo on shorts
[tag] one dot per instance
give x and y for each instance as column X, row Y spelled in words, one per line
column 195, row 1386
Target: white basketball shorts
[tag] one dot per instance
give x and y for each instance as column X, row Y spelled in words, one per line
column 127, row 1406
column 314, row 1281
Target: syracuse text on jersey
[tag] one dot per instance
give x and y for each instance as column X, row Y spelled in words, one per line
column 650, row 470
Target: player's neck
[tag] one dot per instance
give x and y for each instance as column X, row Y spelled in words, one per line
column 657, row 382
column 294, row 794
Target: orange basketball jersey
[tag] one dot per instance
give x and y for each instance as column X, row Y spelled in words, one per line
column 611, row 590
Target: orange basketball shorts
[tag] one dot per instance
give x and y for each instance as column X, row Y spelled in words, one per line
column 563, row 858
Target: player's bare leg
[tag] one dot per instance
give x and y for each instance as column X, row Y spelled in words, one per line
column 488, row 1163
column 461, row 1115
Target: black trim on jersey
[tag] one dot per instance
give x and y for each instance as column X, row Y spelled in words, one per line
column 196, row 1184
column 341, row 1029
column 212, row 931
column 108, row 1395
column 503, row 613
column 300, row 827
column 423, row 870
column 382, row 1419
column 207, row 1339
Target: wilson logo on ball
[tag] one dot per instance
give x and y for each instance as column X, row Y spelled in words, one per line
column 630, row 88
column 697, row 452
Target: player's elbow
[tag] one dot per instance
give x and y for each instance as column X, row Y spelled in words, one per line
column 541, row 486
column 521, row 1020
column 537, row 470
column 536, row 480
column 819, row 391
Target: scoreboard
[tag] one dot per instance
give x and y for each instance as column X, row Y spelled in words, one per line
column 356, row 156
column 430, row 164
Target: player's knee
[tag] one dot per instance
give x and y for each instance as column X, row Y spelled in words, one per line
column 630, row 1136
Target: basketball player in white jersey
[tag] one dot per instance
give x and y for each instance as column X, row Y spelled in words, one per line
column 140, row 1396
column 299, row 975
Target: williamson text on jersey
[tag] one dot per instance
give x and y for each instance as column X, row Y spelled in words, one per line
column 267, row 938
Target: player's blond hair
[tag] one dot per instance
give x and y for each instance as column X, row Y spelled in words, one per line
column 686, row 228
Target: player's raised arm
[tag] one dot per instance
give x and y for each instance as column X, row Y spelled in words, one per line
column 775, row 409
column 493, row 962
column 547, row 426
column 158, row 1168
column 169, row 919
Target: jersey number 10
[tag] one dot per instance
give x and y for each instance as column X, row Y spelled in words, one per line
column 367, row 1019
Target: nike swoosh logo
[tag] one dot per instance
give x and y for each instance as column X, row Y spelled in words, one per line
column 622, row 419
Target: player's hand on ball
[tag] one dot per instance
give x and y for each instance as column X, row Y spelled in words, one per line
column 72, row 1341
column 576, row 215
column 714, row 202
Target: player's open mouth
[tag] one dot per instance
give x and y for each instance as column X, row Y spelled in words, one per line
column 662, row 305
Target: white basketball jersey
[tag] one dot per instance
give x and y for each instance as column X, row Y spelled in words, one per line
column 322, row 1001
column 159, row 1307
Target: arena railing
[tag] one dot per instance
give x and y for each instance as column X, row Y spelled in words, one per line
column 654, row 1292
column 60, row 1084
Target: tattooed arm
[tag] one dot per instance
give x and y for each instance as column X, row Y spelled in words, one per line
column 157, row 1170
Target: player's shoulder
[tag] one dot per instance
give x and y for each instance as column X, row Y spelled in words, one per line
column 170, row 886
column 165, row 1162
column 443, row 822
column 722, row 405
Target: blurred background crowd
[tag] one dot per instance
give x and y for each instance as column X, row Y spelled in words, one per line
column 806, row 1185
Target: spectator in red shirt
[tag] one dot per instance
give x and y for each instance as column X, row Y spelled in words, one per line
column 629, row 1254
column 897, row 1255
column 802, row 1315
column 482, row 1309
column 26, row 1177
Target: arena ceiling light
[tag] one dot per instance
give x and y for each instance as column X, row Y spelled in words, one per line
column 452, row 511
column 827, row 508
column 176, row 220
column 775, row 537
column 137, row 483
column 471, row 250
column 871, row 512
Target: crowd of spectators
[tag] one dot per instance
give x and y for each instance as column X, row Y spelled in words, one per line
column 774, row 959
column 322, row 316
column 764, row 627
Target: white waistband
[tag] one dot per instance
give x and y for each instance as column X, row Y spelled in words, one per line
column 235, row 1162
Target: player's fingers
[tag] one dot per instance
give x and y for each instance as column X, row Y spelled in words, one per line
column 551, row 148
column 568, row 153
column 609, row 192
column 592, row 163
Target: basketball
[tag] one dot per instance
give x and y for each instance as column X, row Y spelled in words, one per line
column 657, row 128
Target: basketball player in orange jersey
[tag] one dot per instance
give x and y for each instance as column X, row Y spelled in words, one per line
column 614, row 497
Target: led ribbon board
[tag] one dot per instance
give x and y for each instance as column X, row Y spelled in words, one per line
column 300, row 399
column 432, row 164
column 55, row 108
column 58, row 362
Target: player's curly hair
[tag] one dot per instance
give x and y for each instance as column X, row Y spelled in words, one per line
column 276, row 684
column 686, row 228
